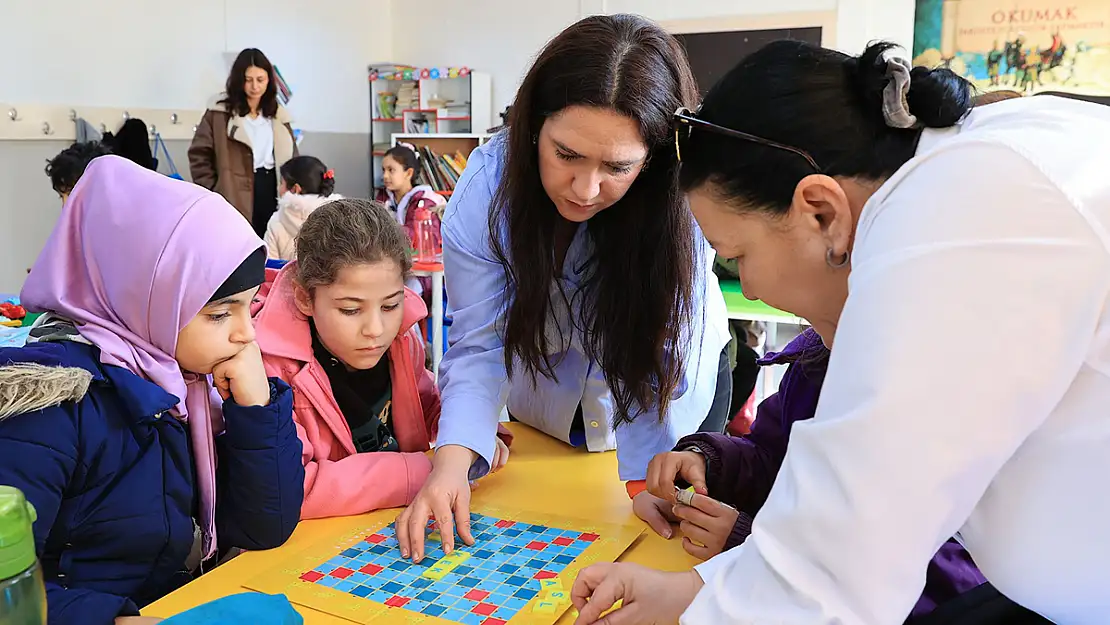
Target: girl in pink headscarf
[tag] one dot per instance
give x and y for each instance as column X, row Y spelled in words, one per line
column 141, row 374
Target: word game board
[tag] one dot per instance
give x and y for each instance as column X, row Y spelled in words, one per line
column 516, row 572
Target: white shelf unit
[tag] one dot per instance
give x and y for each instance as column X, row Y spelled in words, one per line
column 447, row 104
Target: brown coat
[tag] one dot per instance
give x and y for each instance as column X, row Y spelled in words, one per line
column 221, row 158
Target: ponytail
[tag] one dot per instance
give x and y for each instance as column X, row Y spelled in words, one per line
column 311, row 174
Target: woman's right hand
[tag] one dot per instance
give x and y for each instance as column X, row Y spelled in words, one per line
column 665, row 467
column 444, row 497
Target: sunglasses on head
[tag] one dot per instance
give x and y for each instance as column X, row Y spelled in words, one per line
column 684, row 123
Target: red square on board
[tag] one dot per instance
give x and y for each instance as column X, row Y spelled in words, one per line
column 342, row 573
column 485, row 609
column 494, row 621
column 536, row 545
column 563, row 541
column 312, row 576
column 375, row 539
column 589, row 537
column 371, row 569
column 476, row 595
column 544, row 575
column 503, row 523
column 397, row 602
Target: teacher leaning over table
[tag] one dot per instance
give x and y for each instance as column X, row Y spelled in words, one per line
column 870, row 201
column 581, row 290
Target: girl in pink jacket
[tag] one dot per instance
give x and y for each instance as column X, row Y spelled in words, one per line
column 341, row 328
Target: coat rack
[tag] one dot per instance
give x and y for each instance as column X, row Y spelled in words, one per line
column 26, row 122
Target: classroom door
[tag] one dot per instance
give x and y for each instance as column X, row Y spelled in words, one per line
column 713, row 54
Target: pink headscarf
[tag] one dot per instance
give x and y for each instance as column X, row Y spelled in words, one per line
column 135, row 255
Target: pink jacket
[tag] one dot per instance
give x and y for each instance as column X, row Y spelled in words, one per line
column 339, row 481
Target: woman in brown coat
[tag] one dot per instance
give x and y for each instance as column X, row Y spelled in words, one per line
column 242, row 140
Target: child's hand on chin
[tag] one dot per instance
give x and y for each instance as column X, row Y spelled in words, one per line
column 243, row 378
column 647, row 596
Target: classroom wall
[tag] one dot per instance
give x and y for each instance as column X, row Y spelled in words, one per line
column 517, row 30
column 144, row 54
column 172, row 55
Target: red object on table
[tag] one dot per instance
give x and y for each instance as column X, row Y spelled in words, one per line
column 419, row 266
column 11, row 311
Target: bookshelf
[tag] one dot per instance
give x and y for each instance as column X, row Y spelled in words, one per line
column 442, row 101
column 433, row 146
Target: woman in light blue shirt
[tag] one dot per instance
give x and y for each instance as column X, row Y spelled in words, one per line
column 582, row 292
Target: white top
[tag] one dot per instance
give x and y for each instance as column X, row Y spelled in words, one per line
column 261, row 132
column 968, row 390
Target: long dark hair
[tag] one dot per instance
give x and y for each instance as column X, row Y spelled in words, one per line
column 821, row 101
column 636, row 294
column 236, row 98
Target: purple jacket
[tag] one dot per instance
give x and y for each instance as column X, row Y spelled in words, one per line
column 741, row 470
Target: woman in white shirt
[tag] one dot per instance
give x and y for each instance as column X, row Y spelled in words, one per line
column 243, row 139
column 865, row 201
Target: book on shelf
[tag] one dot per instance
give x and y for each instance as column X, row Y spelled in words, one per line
column 440, row 171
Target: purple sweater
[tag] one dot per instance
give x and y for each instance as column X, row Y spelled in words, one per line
column 742, row 469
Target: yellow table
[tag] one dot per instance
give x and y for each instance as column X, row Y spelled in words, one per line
column 543, row 475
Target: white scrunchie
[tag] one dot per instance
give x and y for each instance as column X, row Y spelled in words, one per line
column 896, row 109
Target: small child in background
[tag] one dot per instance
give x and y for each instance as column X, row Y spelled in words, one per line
column 399, row 167
column 733, row 476
column 66, row 168
column 306, row 184
column 339, row 325
column 112, row 418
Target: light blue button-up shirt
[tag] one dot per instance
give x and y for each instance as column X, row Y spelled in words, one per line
column 473, row 382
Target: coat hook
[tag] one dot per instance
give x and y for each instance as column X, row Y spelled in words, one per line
column 153, row 129
column 14, row 115
column 194, row 130
column 103, row 128
column 174, row 119
column 46, row 130
column 126, row 116
column 72, row 115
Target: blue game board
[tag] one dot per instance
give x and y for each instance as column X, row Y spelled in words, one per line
column 499, row 577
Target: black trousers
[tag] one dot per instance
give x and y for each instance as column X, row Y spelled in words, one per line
column 265, row 199
column 980, row 606
column 720, row 411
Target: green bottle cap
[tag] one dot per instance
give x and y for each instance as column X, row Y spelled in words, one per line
column 17, row 541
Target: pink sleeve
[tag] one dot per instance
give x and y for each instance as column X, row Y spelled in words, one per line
column 426, row 385
column 359, row 483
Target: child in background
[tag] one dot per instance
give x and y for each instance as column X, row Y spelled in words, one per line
column 403, row 198
column 339, row 325
column 108, row 415
column 66, row 168
column 306, row 184
column 732, row 476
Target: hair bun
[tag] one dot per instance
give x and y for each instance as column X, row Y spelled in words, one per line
column 938, row 98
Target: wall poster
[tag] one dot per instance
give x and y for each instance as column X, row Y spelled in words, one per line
column 1024, row 45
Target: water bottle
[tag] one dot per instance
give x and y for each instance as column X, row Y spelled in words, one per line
column 22, row 594
column 426, row 236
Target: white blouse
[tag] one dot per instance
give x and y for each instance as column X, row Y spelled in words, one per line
column 261, row 132
column 968, row 390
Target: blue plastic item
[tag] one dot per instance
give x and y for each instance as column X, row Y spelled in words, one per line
column 247, row 607
column 160, row 145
